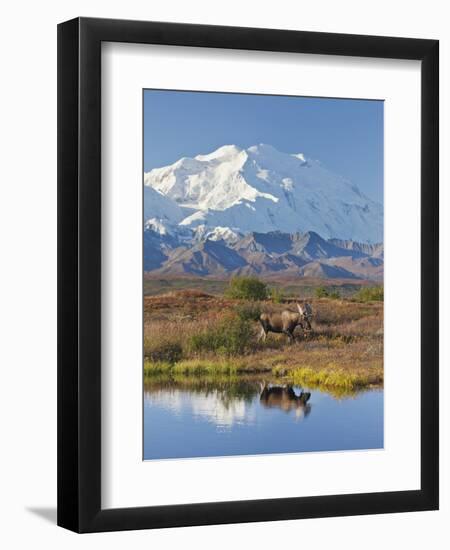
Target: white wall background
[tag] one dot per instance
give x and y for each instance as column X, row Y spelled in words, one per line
column 28, row 270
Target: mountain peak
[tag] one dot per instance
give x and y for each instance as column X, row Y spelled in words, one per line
column 312, row 236
column 223, row 152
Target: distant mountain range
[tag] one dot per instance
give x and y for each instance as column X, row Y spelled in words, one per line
column 263, row 254
column 259, row 211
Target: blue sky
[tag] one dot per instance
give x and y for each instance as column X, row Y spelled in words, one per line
column 346, row 135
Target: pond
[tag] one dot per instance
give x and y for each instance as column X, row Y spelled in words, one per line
column 197, row 417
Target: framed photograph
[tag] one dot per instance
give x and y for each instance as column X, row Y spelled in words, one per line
column 247, row 276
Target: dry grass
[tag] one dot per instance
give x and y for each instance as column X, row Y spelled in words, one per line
column 345, row 348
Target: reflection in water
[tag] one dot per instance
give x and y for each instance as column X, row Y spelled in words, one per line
column 222, row 401
column 285, row 398
column 213, row 406
column 229, row 403
column 199, row 416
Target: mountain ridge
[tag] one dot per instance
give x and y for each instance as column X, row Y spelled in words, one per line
column 292, row 255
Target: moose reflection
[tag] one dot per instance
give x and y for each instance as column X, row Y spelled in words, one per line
column 285, row 398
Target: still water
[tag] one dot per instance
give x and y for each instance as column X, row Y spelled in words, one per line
column 199, row 418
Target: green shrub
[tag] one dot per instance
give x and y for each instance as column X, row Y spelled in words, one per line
column 321, row 292
column 334, row 295
column 249, row 311
column 246, row 288
column 277, row 295
column 230, row 336
column 370, row 294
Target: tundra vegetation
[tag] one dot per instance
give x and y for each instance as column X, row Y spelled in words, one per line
column 322, row 292
column 190, row 333
column 247, row 288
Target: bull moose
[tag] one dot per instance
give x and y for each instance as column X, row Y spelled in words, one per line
column 286, row 321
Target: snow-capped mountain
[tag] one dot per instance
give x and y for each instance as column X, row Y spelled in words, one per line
column 232, row 192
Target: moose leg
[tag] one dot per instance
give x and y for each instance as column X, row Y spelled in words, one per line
column 262, row 335
column 289, row 335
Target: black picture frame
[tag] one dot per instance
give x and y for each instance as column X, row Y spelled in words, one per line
column 79, row 274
